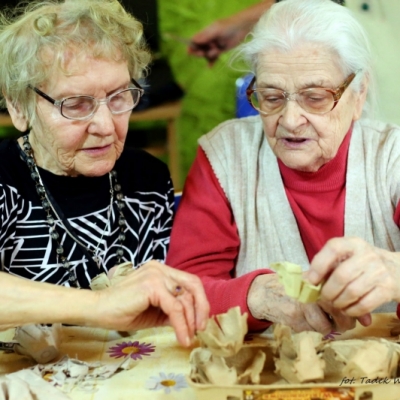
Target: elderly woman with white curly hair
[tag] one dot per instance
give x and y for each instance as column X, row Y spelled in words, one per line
column 312, row 180
column 73, row 202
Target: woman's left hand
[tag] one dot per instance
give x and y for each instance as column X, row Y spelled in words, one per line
column 358, row 277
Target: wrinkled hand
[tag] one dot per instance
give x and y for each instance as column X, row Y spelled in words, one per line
column 340, row 322
column 358, row 277
column 147, row 298
column 267, row 301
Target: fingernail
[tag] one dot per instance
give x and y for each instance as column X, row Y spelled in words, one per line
column 313, row 277
column 188, row 342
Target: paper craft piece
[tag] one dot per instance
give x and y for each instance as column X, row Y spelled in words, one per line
column 28, row 385
column 225, row 333
column 69, row 373
column 223, row 338
column 209, row 368
column 294, row 358
column 298, row 360
column 253, row 371
column 354, row 357
column 291, row 277
column 102, row 281
column 38, row 341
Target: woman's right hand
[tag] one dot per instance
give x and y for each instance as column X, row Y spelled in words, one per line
column 267, row 301
column 149, row 297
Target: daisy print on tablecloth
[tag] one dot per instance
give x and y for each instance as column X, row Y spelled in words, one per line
column 134, row 350
column 167, row 382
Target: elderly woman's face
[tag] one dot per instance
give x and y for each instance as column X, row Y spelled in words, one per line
column 301, row 140
column 91, row 147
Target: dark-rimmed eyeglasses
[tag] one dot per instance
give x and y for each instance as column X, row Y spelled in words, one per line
column 269, row 101
column 84, row 107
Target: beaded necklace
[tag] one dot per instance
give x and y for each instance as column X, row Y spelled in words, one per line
column 50, row 207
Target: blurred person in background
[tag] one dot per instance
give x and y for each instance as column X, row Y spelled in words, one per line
column 379, row 19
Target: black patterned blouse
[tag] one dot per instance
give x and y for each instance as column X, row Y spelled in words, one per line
column 26, row 248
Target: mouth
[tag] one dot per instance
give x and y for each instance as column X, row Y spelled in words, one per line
column 294, row 143
column 295, row 140
column 100, row 149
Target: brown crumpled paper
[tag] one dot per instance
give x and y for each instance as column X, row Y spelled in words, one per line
column 211, row 368
column 38, row 341
column 303, row 357
column 222, row 339
column 298, row 360
column 372, row 358
column 253, row 371
column 103, row 281
column 224, row 335
column 214, row 369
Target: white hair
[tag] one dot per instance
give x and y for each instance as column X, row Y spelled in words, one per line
column 290, row 24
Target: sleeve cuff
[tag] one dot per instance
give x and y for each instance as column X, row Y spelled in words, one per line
column 224, row 295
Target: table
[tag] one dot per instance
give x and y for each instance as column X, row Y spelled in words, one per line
column 158, row 372
column 161, row 364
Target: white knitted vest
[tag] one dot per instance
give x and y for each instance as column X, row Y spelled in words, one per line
column 248, row 172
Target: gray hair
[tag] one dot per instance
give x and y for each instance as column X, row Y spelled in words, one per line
column 34, row 43
column 290, row 24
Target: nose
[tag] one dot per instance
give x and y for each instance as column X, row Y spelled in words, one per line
column 102, row 122
column 292, row 115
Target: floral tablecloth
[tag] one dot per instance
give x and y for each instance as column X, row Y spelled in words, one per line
column 157, row 371
column 158, row 364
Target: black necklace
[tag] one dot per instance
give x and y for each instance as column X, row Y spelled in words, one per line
column 53, row 215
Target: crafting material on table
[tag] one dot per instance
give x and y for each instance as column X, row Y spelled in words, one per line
column 149, row 364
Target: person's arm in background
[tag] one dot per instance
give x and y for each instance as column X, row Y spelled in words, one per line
column 224, row 34
column 152, row 295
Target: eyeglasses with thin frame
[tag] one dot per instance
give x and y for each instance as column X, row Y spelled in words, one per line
column 84, row 107
column 270, row 101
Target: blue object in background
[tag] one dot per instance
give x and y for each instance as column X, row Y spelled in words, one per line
column 243, row 107
column 177, row 199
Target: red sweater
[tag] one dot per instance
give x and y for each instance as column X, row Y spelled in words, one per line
column 205, row 240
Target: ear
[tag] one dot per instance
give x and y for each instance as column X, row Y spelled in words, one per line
column 17, row 117
column 361, row 97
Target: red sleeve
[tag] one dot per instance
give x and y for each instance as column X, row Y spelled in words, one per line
column 205, row 242
column 396, row 218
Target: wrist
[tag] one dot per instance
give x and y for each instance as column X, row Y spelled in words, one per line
column 259, row 295
column 43, row 303
column 81, row 307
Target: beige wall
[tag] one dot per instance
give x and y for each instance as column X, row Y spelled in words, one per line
column 382, row 22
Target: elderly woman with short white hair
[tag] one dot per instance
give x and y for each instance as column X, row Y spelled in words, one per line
column 310, row 180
